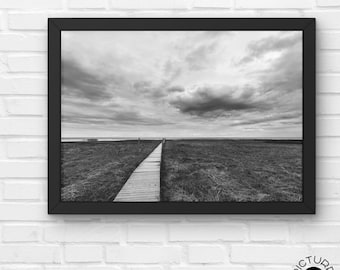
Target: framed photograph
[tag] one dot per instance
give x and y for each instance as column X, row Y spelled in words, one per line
column 181, row 116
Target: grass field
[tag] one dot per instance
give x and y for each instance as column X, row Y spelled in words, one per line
column 231, row 170
column 96, row 171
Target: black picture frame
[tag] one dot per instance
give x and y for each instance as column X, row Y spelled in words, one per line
column 56, row 25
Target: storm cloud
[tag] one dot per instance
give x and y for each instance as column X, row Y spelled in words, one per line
column 182, row 83
column 213, row 102
column 78, row 81
column 174, row 89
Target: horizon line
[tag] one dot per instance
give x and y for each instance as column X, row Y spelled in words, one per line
column 182, row 137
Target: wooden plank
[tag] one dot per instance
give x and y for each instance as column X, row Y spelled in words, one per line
column 144, row 182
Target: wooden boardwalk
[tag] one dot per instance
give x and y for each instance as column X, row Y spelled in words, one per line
column 144, row 182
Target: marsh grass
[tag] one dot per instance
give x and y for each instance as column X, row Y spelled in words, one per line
column 96, row 171
column 231, row 170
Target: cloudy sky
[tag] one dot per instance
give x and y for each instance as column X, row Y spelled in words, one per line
column 182, row 84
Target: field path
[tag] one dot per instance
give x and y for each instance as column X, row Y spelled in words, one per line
column 144, row 182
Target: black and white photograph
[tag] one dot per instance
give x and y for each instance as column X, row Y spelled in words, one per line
column 181, row 116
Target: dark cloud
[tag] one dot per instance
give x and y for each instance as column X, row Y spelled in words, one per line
column 175, row 89
column 207, row 102
column 281, row 42
column 77, row 81
column 186, row 83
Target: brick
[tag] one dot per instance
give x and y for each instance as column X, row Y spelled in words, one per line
column 316, row 233
column 196, row 219
column 326, row 211
column 30, row 254
column 1, row 21
column 23, row 86
column 91, row 13
column 143, row 218
column 273, row 232
column 328, row 147
column 80, row 266
column 24, row 212
column 271, row 267
column 328, row 189
column 19, row 42
column 212, row 4
column 206, row 254
column 3, row 63
column 279, row 13
column 34, row 63
column 328, row 62
column 44, row 194
column 26, row 106
column 23, row 126
column 26, row 169
column 21, row 233
column 83, row 232
column 22, row 191
column 32, row 4
column 270, row 4
column 326, row 126
column 145, row 268
column 206, row 232
column 210, row 267
column 1, row 229
column 328, row 104
column 146, row 233
column 328, row 169
column 325, row 19
column 213, row 13
column 27, row 149
column 22, row 267
column 3, row 112
column 328, row 83
column 143, row 254
column 274, row 254
column 3, row 149
column 27, row 21
column 331, row 253
column 328, row 40
column 83, row 253
column 328, row 3
column 150, row 4
column 98, row 4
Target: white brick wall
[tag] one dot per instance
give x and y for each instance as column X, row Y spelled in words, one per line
column 30, row 239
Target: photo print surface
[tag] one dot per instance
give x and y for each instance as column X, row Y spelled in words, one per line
column 189, row 116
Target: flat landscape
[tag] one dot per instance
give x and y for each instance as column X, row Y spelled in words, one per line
column 191, row 170
column 231, row 170
column 96, row 171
